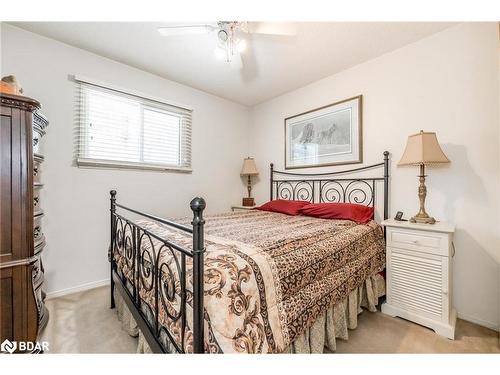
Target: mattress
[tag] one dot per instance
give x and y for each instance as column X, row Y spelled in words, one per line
column 268, row 276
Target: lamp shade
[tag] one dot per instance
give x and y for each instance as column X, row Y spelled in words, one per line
column 423, row 148
column 249, row 168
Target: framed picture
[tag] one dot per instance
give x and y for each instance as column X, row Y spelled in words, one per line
column 330, row 135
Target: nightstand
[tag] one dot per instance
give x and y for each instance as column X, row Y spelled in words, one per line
column 236, row 207
column 419, row 274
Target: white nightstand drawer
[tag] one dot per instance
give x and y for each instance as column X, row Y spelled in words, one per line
column 427, row 242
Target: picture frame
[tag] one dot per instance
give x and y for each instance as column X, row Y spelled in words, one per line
column 325, row 136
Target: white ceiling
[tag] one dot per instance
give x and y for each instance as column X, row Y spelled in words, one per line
column 273, row 65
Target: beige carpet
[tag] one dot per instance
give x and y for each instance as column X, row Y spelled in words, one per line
column 380, row 333
column 83, row 323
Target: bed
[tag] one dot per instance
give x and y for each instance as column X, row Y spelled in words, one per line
column 252, row 281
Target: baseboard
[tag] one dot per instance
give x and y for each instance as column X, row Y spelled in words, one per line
column 480, row 322
column 76, row 289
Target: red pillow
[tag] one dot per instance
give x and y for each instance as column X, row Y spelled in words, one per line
column 283, row 206
column 345, row 211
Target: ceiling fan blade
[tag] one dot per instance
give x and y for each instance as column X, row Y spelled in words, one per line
column 272, row 28
column 236, row 61
column 186, row 29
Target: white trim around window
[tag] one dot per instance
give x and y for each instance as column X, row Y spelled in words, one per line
column 120, row 128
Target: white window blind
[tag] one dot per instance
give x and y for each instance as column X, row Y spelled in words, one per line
column 117, row 129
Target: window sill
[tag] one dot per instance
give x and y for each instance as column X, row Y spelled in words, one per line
column 110, row 164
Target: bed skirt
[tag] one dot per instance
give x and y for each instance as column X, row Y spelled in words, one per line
column 333, row 324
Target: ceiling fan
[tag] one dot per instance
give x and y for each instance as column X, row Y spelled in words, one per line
column 230, row 35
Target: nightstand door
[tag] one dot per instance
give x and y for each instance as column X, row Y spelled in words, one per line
column 418, row 283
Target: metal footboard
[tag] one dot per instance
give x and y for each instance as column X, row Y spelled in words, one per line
column 142, row 255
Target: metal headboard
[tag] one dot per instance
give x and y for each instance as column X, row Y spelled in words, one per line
column 325, row 187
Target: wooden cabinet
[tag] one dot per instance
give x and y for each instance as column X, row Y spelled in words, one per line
column 23, row 313
column 419, row 274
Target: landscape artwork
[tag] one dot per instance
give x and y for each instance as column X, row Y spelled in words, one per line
column 330, row 135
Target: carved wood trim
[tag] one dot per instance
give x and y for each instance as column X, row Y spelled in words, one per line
column 40, row 122
column 21, row 102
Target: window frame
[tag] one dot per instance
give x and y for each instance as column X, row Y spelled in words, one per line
column 146, row 101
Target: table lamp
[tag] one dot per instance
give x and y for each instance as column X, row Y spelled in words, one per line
column 423, row 149
column 249, row 169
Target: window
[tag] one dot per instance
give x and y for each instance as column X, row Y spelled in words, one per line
column 117, row 129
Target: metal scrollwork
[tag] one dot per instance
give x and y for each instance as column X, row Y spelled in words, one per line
column 285, row 190
column 295, row 190
column 332, row 192
column 147, row 261
column 128, row 245
column 119, row 234
column 304, row 191
column 169, row 272
column 359, row 192
column 123, row 241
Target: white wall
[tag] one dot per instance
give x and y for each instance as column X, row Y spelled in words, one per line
column 446, row 83
column 76, row 200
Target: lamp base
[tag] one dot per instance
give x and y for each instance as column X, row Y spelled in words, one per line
column 248, row 202
column 422, row 219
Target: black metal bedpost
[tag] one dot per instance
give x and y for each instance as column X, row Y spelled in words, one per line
column 271, row 179
column 197, row 206
column 386, row 185
column 112, row 210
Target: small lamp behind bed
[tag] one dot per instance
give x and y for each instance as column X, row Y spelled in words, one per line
column 249, row 169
